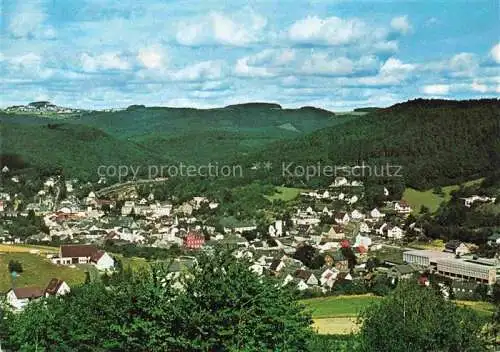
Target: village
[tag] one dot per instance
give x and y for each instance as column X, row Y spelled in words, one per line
column 327, row 244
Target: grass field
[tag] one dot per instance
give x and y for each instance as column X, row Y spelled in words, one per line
column 427, row 198
column 336, row 326
column 37, row 271
column 437, row 245
column 338, row 306
column 26, row 248
column 285, row 194
column 337, row 314
column 484, row 309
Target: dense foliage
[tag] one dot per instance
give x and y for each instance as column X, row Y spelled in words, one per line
column 436, row 142
column 224, row 307
column 416, row 318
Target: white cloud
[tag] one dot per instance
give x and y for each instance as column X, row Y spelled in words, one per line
column 463, row 65
column 495, row 53
column 267, row 63
column 320, row 63
column 107, row 61
column 28, row 66
column 478, row 87
column 290, row 81
column 151, row 57
column 436, row 89
column 206, row 70
column 401, row 24
column 243, row 69
column 28, row 21
column 392, row 72
column 330, row 31
column 218, row 28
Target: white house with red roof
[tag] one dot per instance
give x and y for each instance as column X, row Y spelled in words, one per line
column 84, row 254
column 194, row 240
column 18, row 298
column 402, row 207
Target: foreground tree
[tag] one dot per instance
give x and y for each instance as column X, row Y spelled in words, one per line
column 416, row 318
column 219, row 305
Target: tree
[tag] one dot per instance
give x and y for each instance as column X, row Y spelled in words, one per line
column 220, row 306
column 16, row 266
column 305, row 254
column 424, row 210
column 416, row 318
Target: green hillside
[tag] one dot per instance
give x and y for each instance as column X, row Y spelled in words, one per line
column 436, row 142
column 77, row 150
column 183, row 134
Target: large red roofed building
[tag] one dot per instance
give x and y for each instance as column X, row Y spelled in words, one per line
column 83, row 254
column 194, row 240
column 345, row 244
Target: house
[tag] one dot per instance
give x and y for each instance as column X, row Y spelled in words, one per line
column 340, row 181
column 328, row 277
column 102, row 261
column 381, row 229
column 337, row 260
column 75, row 254
column 353, row 199
column 301, row 285
column 127, row 207
column 364, row 241
column 363, row 227
column 277, row 265
column 56, row 287
column 457, row 247
column 336, row 232
column 403, row 271
column 345, row 276
column 394, row 232
column 376, row 214
column 356, row 215
column 18, row 298
column 257, row 269
column 83, row 254
column 194, row 240
column 494, row 239
column 287, row 280
column 469, row 201
column 307, row 276
column 402, row 207
column 342, row 218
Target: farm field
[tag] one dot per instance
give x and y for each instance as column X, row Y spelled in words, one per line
column 338, row 314
column 338, row 306
column 37, row 271
column 336, row 326
column 26, row 248
column 484, row 309
column 286, row 194
column 429, row 199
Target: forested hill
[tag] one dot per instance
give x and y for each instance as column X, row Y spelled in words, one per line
column 436, row 141
column 75, row 149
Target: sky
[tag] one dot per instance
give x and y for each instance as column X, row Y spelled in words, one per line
column 336, row 54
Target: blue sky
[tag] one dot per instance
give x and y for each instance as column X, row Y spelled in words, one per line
column 336, row 54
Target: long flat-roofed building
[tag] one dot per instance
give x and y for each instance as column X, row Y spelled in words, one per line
column 446, row 264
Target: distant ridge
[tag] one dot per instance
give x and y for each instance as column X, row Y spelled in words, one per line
column 440, row 103
column 315, row 109
column 255, row 105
